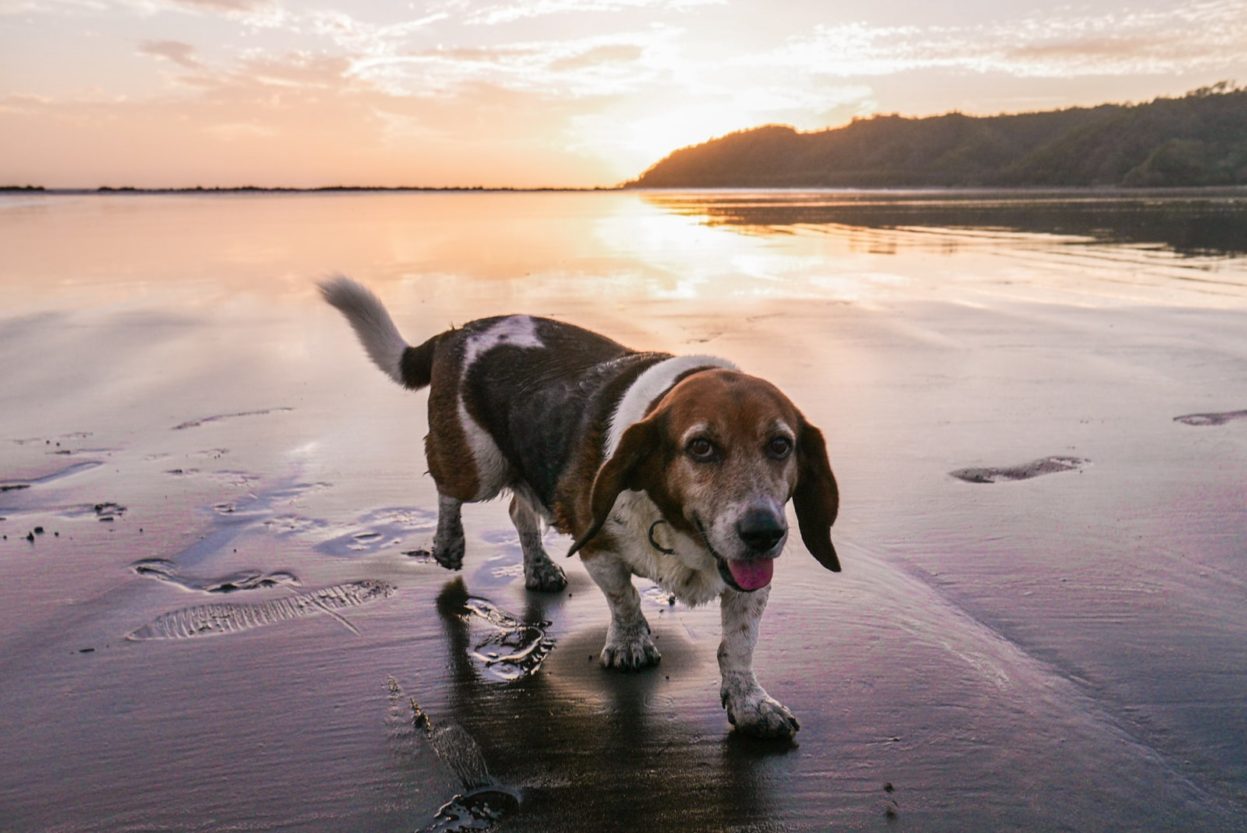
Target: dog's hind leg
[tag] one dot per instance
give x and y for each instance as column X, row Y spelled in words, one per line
column 540, row 573
column 448, row 542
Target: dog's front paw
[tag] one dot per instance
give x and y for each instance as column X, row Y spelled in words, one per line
column 544, row 575
column 630, row 650
column 755, row 713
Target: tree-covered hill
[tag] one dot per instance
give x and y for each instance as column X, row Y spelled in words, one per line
column 1198, row 139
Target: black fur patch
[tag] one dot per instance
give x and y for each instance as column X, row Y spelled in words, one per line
column 538, row 403
column 416, row 365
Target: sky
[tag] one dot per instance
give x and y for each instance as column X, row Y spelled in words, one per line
column 172, row 93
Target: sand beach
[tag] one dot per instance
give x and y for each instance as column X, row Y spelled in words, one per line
column 217, row 604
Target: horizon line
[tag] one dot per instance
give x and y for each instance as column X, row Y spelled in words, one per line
column 195, row 189
column 125, row 190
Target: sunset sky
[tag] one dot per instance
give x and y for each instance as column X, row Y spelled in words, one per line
column 539, row 92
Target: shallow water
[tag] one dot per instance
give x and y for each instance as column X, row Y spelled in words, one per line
column 1036, row 645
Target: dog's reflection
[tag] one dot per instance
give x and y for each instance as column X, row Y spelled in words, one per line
column 551, row 757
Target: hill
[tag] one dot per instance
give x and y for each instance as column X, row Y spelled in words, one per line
column 1195, row 140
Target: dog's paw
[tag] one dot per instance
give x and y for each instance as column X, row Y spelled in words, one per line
column 630, row 651
column 757, row 714
column 544, row 575
column 449, row 552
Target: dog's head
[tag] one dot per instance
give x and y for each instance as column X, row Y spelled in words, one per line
column 720, row 455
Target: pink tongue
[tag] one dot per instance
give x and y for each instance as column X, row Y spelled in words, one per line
column 752, row 575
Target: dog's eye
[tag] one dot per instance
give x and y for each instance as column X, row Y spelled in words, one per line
column 701, row 450
column 779, row 448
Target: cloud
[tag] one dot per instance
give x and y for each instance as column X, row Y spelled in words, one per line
column 52, row 7
column 467, row 91
column 1200, row 36
column 222, row 5
column 182, row 54
column 279, row 81
column 598, row 55
column 257, row 14
column 359, row 37
column 303, row 70
column 579, row 68
column 294, row 118
column 512, row 11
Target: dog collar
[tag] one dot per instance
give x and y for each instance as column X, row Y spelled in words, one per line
column 655, row 544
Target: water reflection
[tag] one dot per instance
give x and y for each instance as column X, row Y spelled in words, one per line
column 1191, row 224
column 586, row 756
column 441, row 258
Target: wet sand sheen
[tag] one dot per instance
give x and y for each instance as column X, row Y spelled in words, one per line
column 1048, row 653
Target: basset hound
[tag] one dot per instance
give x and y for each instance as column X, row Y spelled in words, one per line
column 673, row 468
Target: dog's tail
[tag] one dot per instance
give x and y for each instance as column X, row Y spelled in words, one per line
column 410, row 366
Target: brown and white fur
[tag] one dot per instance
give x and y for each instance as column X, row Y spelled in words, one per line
column 676, row 469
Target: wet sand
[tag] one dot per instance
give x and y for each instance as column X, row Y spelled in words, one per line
column 218, row 606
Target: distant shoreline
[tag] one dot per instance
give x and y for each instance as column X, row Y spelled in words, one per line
column 1196, row 140
column 912, row 192
column 1193, row 141
column 282, row 189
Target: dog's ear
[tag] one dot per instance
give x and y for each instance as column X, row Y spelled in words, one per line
column 622, row 471
column 816, row 499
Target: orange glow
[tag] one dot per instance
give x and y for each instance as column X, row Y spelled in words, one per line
column 168, row 93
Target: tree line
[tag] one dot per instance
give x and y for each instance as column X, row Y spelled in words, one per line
column 1198, row 139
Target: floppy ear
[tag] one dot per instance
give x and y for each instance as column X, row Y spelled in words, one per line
column 816, row 499
column 616, row 475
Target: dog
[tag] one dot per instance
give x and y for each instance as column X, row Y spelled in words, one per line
column 673, row 468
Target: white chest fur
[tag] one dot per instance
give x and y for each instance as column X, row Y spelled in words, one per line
column 689, row 572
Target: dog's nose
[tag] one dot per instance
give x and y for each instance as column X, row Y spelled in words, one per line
column 761, row 529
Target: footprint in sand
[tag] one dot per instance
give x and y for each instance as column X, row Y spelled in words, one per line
column 1025, row 471
column 498, row 644
column 382, row 528
column 68, row 471
column 108, row 511
column 1210, row 419
column 164, row 570
column 294, row 524
column 485, row 802
column 214, row 619
column 504, row 647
